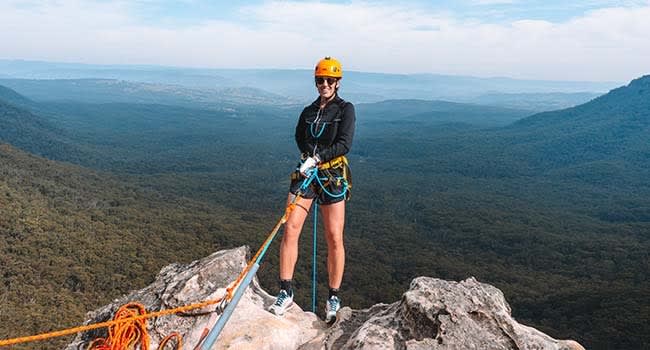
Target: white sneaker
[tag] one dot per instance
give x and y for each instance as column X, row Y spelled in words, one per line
column 282, row 303
column 331, row 307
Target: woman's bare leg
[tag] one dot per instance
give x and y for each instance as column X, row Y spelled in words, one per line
column 292, row 229
column 334, row 221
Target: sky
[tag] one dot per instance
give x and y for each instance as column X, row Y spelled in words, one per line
column 595, row 40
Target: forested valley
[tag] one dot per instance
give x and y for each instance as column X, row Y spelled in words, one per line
column 552, row 208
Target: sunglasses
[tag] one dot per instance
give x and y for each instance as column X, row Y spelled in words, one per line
column 330, row 81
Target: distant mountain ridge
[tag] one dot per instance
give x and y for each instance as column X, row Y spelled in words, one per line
column 438, row 112
column 92, row 90
column 613, row 126
column 537, row 102
column 28, row 131
column 13, row 97
column 630, row 101
column 298, row 84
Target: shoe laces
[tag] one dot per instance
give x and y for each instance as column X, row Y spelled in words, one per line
column 281, row 297
column 334, row 303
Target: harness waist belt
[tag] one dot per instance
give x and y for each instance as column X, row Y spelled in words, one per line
column 334, row 163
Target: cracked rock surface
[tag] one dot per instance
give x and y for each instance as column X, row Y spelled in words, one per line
column 432, row 314
column 438, row 314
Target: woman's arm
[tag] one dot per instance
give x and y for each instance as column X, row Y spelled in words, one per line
column 301, row 131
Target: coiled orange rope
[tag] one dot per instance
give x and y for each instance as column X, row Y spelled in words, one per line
column 125, row 335
column 129, row 334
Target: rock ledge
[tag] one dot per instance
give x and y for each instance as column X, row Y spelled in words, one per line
column 432, row 314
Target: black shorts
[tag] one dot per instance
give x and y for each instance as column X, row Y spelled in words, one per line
column 334, row 186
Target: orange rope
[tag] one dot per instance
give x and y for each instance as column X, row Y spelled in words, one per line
column 129, row 317
column 269, row 238
column 74, row 330
column 129, row 334
column 251, row 262
column 125, row 335
column 179, row 341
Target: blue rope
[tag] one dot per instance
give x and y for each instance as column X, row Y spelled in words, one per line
column 314, row 286
column 261, row 256
column 311, row 130
column 227, row 312
column 345, row 188
column 305, row 183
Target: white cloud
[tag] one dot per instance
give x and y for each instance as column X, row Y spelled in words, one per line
column 605, row 44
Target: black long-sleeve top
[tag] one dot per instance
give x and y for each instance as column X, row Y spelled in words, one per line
column 328, row 132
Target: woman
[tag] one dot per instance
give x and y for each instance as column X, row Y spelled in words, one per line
column 324, row 135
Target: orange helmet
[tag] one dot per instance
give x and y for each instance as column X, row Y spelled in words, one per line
column 328, row 67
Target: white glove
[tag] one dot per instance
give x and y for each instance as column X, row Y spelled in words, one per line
column 308, row 165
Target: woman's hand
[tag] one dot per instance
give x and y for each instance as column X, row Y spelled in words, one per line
column 308, row 165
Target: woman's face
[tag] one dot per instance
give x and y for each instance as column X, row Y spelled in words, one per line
column 326, row 86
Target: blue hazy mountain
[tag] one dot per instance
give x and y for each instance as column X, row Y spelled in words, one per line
column 615, row 126
column 32, row 132
column 537, row 102
column 111, row 90
column 11, row 96
column 298, row 83
column 400, row 112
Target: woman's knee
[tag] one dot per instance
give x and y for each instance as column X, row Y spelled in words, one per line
column 292, row 229
column 335, row 240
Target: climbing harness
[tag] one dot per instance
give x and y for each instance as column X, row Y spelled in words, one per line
column 325, row 175
column 334, row 163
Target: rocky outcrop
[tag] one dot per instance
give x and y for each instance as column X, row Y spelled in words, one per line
column 432, row 314
column 250, row 327
column 437, row 314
